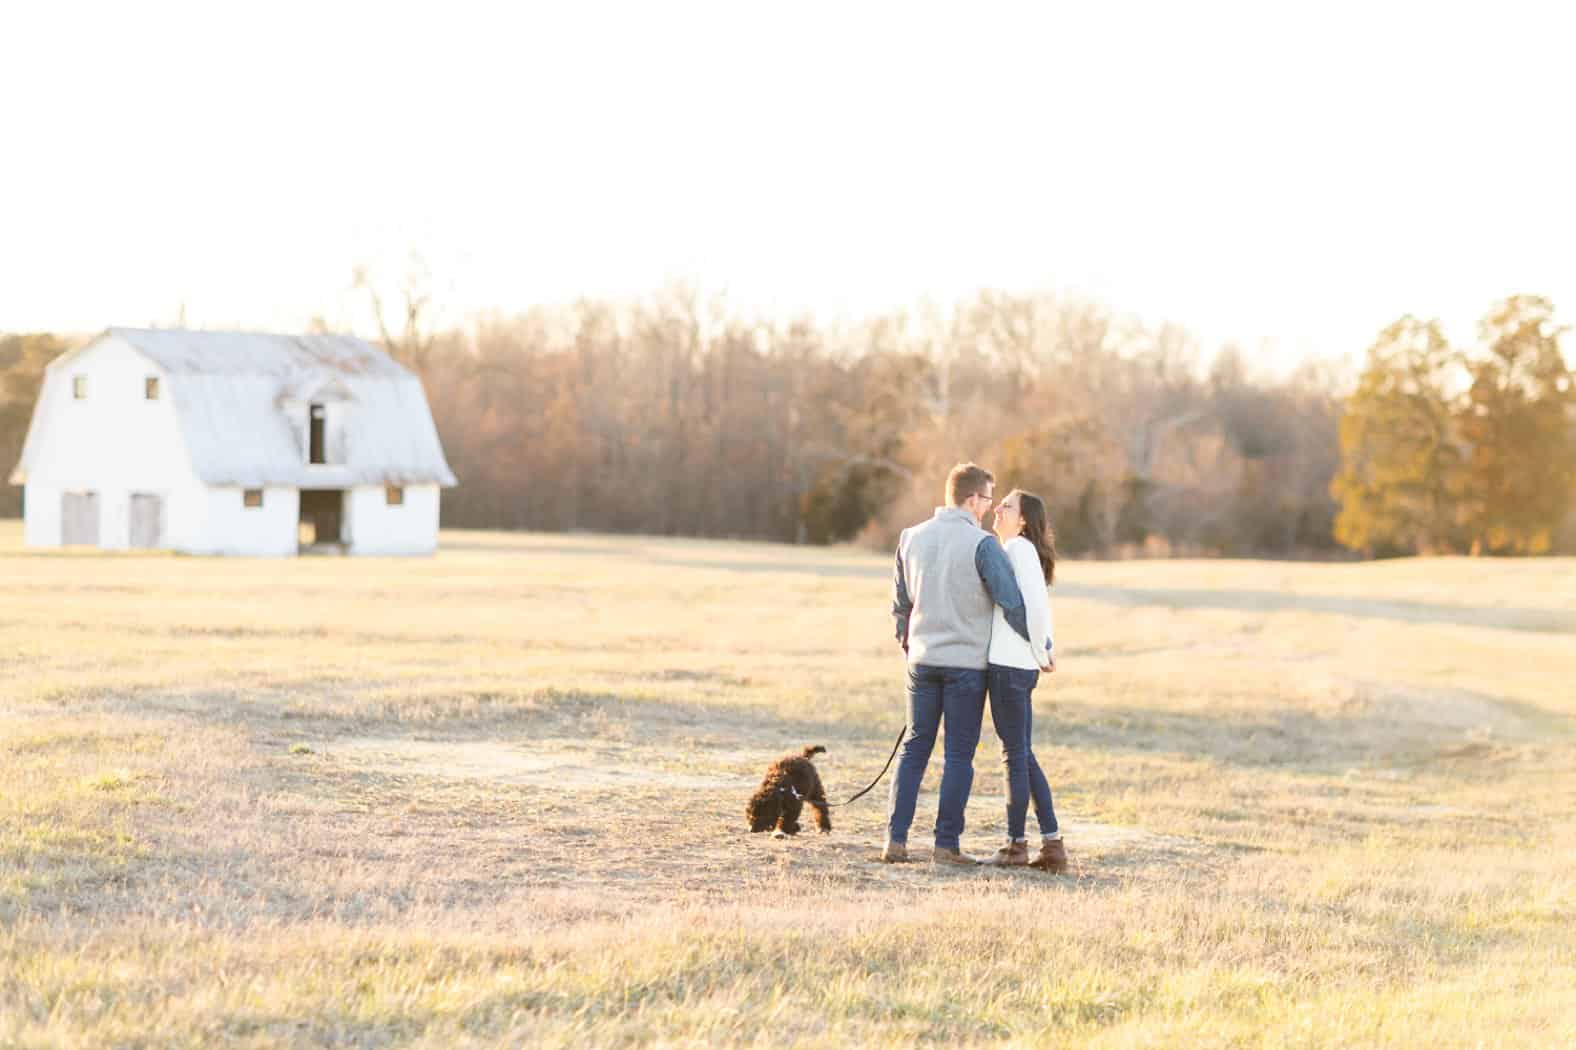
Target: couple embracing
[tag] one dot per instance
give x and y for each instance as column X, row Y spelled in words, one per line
column 975, row 620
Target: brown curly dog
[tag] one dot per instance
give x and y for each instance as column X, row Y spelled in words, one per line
column 790, row 783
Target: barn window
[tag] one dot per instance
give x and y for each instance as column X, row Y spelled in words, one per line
column 394, row 495
column 79, row 388
column 315, row 436
column 252, row 498
column 150, row 388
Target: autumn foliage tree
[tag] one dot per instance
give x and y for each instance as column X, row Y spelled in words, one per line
column 1444, row 450
column 22, row 362
column 1519, row 475
column 1400, row 454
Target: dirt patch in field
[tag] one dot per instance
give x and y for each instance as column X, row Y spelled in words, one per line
column 690, row 824
column 563, row 765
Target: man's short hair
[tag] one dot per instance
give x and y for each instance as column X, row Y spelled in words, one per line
column 967, row 479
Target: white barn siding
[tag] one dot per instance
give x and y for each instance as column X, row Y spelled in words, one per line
column 114, row 442
column 41, row 515
column 225, row 525
column 375, row 527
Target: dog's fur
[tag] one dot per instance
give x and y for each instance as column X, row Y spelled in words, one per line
column 774, row 806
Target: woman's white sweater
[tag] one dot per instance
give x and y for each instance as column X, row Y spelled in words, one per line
column 1006, row 647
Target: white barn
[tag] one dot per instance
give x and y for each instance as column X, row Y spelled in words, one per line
column 231, row 443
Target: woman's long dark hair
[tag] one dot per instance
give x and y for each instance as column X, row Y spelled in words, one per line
column 1037, row 530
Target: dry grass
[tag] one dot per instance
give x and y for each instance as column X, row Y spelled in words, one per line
column 495, row 797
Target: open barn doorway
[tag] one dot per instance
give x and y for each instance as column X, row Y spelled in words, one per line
column 322, row 521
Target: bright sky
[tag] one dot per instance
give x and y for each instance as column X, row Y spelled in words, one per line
column 1289, row 176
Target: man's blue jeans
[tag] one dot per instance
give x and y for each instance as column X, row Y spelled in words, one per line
column 950, row 698
column 1012, row 712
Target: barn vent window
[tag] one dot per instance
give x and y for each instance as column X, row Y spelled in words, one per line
column 316, row 418
column 79, row 388
column 394, row 495
column 150, row 388
column 252, row 498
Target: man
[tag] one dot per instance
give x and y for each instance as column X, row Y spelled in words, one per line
column 950, row 574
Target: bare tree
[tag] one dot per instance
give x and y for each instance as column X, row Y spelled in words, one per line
column 411, row 335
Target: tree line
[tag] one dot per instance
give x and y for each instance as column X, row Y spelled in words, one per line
column 674, row 415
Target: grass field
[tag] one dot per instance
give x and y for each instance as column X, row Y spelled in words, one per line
column 495, row 798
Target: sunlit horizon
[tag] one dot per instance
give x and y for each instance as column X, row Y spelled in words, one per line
column 1286, row 183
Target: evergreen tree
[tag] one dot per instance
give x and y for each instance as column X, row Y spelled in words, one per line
column 1400, row 457
column 1520, row 469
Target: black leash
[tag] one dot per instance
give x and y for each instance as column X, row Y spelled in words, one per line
column 899, row 743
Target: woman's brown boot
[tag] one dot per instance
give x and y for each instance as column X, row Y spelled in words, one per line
column 1052, row 857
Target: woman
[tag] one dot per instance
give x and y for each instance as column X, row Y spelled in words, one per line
column 1014, row 671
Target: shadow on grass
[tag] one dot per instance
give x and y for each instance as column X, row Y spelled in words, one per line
column 447, row 543
column 1385, row 730
column 803, row 568
column 762, row 728
column 1544, row 621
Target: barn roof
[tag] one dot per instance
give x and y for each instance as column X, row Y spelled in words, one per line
column 181, row 352
column 237, row 396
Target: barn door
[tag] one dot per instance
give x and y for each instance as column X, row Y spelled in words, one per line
column 147, row 519
column 79, row 519
column 322, row 517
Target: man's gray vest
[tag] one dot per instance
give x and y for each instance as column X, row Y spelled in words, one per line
column 950, row 624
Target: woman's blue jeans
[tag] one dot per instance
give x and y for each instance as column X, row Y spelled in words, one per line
column 953, row 697
column 1012, row 711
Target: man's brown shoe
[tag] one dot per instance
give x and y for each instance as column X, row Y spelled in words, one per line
column 1052, row 857
column 952, row 856
column 1012, row 855
column 894, row 853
